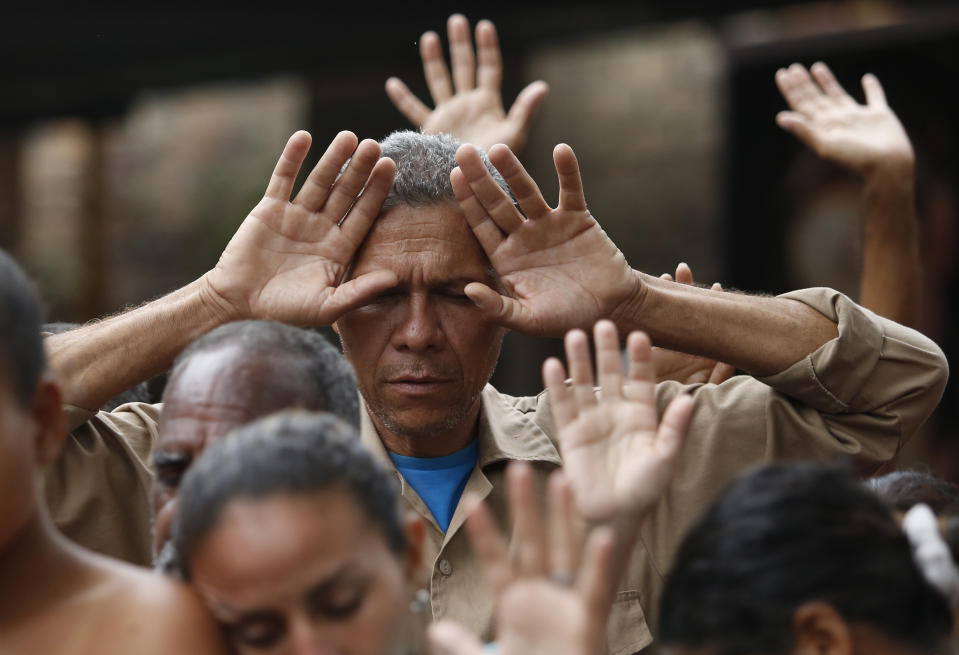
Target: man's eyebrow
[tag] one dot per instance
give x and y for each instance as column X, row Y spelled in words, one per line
column 454, row 282
column 163, row 458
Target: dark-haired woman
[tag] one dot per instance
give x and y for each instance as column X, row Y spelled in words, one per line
column 800, row 558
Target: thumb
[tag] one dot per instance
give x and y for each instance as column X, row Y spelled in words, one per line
column 450, row 638
column 798, row 125
column 526, row 103
column 355, row 293
column 495, row 307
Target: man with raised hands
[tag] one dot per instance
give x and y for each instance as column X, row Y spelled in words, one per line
column 422, row 296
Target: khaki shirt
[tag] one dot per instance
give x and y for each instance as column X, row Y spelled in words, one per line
column 861, row 395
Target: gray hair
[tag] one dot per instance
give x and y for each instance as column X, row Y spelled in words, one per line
column 423, row 166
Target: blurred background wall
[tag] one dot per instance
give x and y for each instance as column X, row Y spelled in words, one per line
column 133, row 142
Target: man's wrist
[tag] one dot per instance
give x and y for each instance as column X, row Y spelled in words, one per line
column 216, row 309
column 628, row 313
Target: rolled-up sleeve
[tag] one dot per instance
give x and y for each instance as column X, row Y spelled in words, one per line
column 860, row 397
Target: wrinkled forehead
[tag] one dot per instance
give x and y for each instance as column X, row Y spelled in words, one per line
column 433, row 240
column 217, row 390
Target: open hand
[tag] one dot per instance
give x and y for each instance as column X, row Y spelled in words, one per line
column 287, row 259
column 558, row 268
column 682, row 367
column 547, row 601
column 470, row 106
column 828, row 120
column 617, row 453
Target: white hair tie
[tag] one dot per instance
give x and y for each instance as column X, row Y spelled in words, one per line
column 930, row 551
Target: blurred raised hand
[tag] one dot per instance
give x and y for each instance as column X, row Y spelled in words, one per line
column 618, row 454
column 835, row 126
column 870, row 140
column 468, row 104
column 681, row 367
column 554, row 596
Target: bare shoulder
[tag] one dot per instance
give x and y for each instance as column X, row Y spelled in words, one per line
column 153, row 613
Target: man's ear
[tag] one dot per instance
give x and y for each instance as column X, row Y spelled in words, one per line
column 819, row 629
column 51, row 425
column 416, row 575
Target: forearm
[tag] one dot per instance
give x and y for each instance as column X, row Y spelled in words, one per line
column 95, row 362
column 759, row 334
column 890, row 281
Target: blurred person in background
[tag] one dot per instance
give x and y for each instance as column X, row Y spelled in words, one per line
column 801, row 558
column 56, row 597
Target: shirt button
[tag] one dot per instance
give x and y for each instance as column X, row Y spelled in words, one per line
column 445, row 567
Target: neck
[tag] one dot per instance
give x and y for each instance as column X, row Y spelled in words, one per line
column 436, row 444
column 37, row 567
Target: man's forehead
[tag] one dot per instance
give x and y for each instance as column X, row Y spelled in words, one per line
column 440, row 231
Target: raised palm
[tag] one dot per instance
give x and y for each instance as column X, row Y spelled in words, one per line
column 553, row 593
column 287, row 260
column 617, row 454
column 558, row 267
column 835, row 126
column 474, row 112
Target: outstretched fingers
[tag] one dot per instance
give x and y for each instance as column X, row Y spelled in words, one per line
column 561, row 398
column 800, row 91
column 288, row 166
column 873, row 90
column 434, row 68
column 596, row 583
column 317, row 186
column 461, row 53
column 580, row 368
column 640, row 385
column 524, row 108
column 484, row 227
column 520, row 182
column 563, row 535
column 404, row 100
column 367, row 207
column 529, row 533
column 609, row 361
column 829, row 84
column 673, row 427
column 489, row 73
column 494, row 200
column 348, row 186
column 571, row 195
column 490, row 548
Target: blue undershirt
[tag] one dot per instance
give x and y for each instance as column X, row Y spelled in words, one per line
column 439, row 481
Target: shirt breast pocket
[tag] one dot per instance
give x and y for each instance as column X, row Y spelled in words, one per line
column 626, row 631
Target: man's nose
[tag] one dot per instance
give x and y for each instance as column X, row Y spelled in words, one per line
column 421, row 329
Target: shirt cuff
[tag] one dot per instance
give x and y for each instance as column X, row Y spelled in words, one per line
column 830, row 378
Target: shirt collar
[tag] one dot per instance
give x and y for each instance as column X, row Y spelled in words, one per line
column 505, row 433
